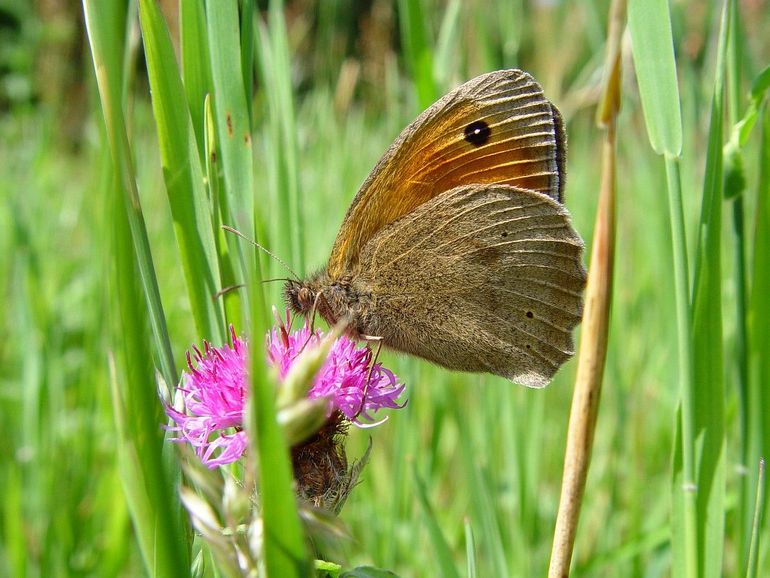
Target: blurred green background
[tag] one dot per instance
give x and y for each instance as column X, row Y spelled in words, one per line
column 487, row 451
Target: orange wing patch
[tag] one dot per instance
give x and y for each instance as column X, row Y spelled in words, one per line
column 496, row 128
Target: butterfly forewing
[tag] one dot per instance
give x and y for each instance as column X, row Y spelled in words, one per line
column 480, row 278
column 496, row 128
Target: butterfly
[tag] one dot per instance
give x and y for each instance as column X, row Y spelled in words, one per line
column 458, row 248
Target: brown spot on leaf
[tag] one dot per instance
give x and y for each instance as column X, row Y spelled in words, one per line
column 229, row 124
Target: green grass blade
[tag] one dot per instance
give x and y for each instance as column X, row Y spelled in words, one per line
column 183, row 175
column 470, row 549
column 107, row 52
column 284, row 547
column 650, row 26
column 482, row 490
column 707, row 338
column 281, row 146
column 653, row 48
column 196, row 69
column 225, row 242
column 759, row 503
column 447, row 46
column 147, row 478
column 445, row 565
column 147, row 483
column 230, row 112
column 247, row 53
column 759, row 312
column 684, row 515
column 417, row 49
column 285, row 554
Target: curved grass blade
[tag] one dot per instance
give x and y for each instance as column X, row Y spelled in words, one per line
column 108, row 53
column 147, row 479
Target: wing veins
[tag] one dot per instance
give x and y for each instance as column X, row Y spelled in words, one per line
column 431, row 233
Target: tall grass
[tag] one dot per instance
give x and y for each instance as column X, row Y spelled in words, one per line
column 109, row 259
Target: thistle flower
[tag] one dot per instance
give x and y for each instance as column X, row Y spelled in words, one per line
column 214, row 395
column 214, row 389
column 344, row 376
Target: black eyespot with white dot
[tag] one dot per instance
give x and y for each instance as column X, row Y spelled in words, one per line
column 477, row 133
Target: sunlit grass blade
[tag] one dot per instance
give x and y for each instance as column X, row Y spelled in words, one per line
column 447, row 46
column 443, row 552
column 231, row 113
column 759, row 329
column 247, row 53
column 653, row 49
column 759, row 504
column 281, row 146
column 482, row 497
column 417, row 49
column 709, row 404
column 734, row 185
column 229, row 262
column 183, row 175
column 196, row 70
column 655, row 67
column 470, row 550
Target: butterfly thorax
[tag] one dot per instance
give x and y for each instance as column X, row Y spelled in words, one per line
column 332, row 299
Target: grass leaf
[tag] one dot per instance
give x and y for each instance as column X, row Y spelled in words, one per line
column 650, row 25
column 183, row 174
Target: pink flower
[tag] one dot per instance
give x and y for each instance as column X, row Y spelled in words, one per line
column 214, row 389
column 343, row 377
column 214, row 394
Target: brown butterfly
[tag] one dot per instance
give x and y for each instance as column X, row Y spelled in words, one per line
column 457, row 248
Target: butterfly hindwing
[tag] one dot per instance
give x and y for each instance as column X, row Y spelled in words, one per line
column 480, row 278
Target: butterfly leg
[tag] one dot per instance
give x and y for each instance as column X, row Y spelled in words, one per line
column 371, row 368
column 312, row 315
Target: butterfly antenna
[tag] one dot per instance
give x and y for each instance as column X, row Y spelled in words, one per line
column 253, row 242
column 226, row 290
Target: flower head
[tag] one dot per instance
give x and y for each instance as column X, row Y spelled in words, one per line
column 214, row 389
column 355, row 387
column 214, row 393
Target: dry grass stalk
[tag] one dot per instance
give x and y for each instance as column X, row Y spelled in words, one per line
column 593, row 342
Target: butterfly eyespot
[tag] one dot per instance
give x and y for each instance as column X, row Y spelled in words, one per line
column 529, row 346
column 477, row 133
column 504, row 234
column 530, row 314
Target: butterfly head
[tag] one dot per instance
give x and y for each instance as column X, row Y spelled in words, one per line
column 300, row 297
